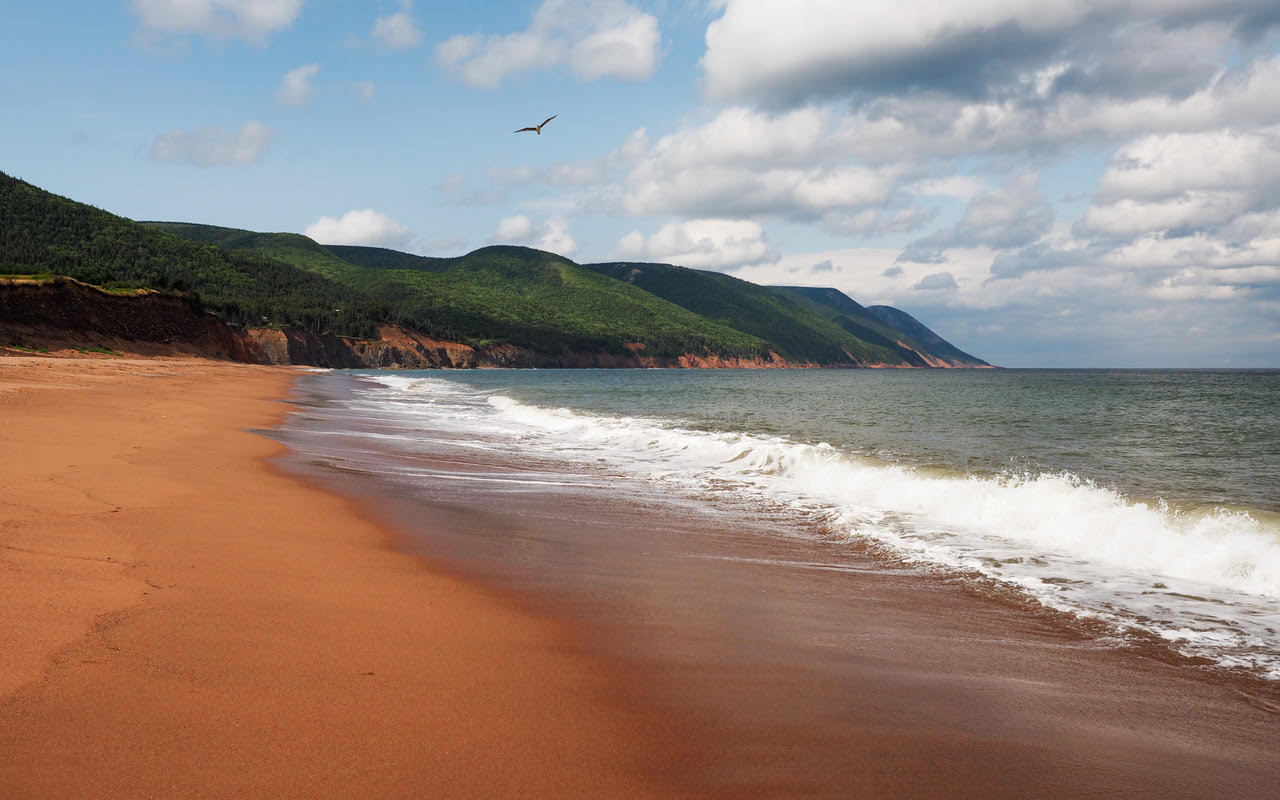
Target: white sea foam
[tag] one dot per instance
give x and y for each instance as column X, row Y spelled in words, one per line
column 1205, row 579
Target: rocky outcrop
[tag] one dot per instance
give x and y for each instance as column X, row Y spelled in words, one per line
column 395, row 347
column 64, row 314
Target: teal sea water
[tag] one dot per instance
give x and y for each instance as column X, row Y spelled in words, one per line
column 1147, row 500
column 1183, row 436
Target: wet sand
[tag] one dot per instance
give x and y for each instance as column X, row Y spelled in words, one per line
column 180, row 619
column 803, row 665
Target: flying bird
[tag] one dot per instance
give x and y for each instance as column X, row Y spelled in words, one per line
column 538, row 128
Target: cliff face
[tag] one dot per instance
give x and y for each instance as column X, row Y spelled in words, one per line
column 395, row 347
column 64, row 314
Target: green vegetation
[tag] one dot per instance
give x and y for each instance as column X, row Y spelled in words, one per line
column 912, row 327
column 880, row 324
column 382, row 258
column 551, row 304
column 498, row 295
column 794, row 331
column 42, row 232
column 839, row 308
column 493, row 296
column 96, row 349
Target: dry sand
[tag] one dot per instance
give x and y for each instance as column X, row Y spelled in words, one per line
column 180, row 619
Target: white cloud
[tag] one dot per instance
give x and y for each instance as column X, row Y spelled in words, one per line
column 210, row 145
column 699, row 243
column 788, row 53
column 627, row 50
column 961, row 187
column 398, row 30
column 551, row 235
column 871, row 276
column 918, row 126
column 514, row 230
column 555, row 238
column 875, row 221
column 1168, row 165
column 1012, row 215
column 251, row 20
column 936, row 281
column 295, row 89
column 595, row 39
column 1187, row 183
column 745, row 162
column 367, row 227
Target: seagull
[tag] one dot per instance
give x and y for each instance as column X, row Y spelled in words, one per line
column 538, row 128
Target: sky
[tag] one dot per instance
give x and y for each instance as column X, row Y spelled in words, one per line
column 1047, row 183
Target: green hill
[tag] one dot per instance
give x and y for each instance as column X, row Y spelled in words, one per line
column 499, row 294
column 796, row 332
column 383, row 258
column 549, row 303
column 914, row 328
column 44, row 233
column 884, row 324
column 839, row 308
column 534, row 301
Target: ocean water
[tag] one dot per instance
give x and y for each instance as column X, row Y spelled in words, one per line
column 1147, row 501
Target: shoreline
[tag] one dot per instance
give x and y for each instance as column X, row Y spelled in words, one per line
column 196, row 611
column 182, row 618
column 804, row 666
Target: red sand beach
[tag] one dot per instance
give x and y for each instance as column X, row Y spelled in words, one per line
column 183, row 619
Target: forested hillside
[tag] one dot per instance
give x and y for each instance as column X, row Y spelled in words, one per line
column 533, row 306
column 42, row 232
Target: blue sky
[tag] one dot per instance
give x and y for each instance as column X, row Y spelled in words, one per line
column 1052, row 183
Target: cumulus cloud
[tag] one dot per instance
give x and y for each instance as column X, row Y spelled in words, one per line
column 711, row 243
column 1186, row 183
column 876, row 221
column 595, row 39
column 367, row 228
column 397, row 31
column 514, row 230
column 555, row 237
column 296, row 88
column 936, row 281
column 927, row 125
column 746, row 162
column 995, row 78
column 962, row 187
column 551, row 235
column 211, row 145
column 786, row 54
column 1015, row 214
column 251, row 20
